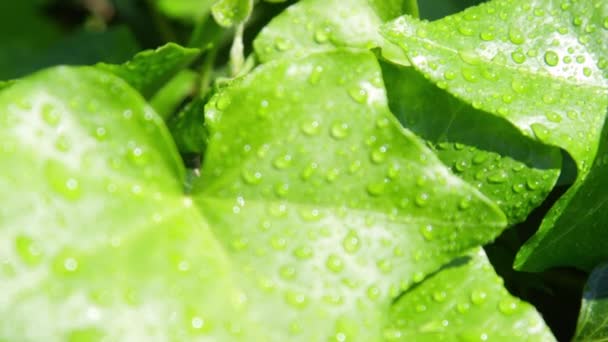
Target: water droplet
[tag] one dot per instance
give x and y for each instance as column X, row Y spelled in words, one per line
column 385, row 265
column 334, row 263
column 281, row 189
column 321, row 35
column 377, row 188
column 351, row 242
column 507, row 306
column 498, row 177
column 516, row 36
column 541, row 132
column 551, row 58
column 480, row 158
column 59, row 180
column 449, row 75
column 478, row 297
column 27, row 250
column 605, row 25
column 101, row 133
column 50, row 115
column 553, row 117
column 304, row 252
column 378, row 155
column 422, row 199
column 463, row 307
column 339, row 130
column 222, row 102
column 373, row 292
column 310, row 128
column 251, row 177
column 486, row 35
column 282, row 44
column 439, row 296
column 287, row 272
column 296, row 299
column 518, row 57
column 282, row 162
column 315, row 75
column 358, row 94
column 308, row 171
column 427, row 232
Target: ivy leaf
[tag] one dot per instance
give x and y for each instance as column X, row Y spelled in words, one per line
column 572, row 233
column 99, row 235
column 464, row 301
column 312, row 26
column 149, row 70
column 307, row 249
column 500, row 57
column 309, row 213
column 592, row 325
column 227, row 13
column 523, row 61
column 515, row 172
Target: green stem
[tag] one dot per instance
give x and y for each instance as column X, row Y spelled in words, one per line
column 411, row 7
column 164, row 28
column 237, row 57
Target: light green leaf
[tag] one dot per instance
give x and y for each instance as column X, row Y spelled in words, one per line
column 97, row 238
column 329, row 206
column 166, row 101
column 592, row 322
column 187, row 10
column 149, row 70
column 515, row 172
column 540, row 64
column 228, row 13
column 311, row 26
column 309, row 213
column 464, row 301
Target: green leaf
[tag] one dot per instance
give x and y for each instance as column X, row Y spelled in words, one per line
column 312, row 26
column 573, row 232
column 188, row 129
column 168, row 98
column 464, row 301
column 187, row 10
column 348, row 208
column 149, row 70
column 515, row 172
column 329, row 200
column 228, row 13
column 540, row 64
column 592, row 325
column 98, row 239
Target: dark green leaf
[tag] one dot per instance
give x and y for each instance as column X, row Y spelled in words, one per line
column 593, row 320
column 188, row 129
column 540, row 64
column 149, row 70
column 515, row 172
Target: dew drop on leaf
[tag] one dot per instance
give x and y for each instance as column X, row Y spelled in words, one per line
column 551, row 58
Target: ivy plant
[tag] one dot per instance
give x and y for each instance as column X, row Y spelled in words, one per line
column 303, row 170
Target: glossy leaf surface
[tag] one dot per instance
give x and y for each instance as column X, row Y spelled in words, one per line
column 592, row 322
column 464, row 301
column 515, row 172
column 149, row 70
column 230, row 12
column 311, row 26
column 323, row 236
column 275, row 161
column 522, row 60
